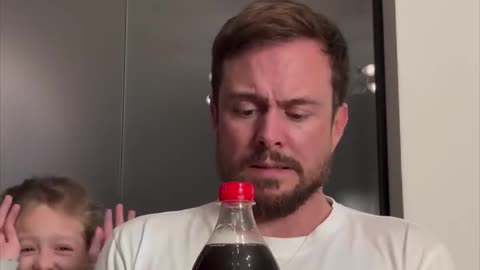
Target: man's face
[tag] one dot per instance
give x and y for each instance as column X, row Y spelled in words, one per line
column 274, row 123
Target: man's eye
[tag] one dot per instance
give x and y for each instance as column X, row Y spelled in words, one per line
column 244, row 112
column 297, row 116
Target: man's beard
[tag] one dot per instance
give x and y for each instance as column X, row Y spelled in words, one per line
column 270, row 207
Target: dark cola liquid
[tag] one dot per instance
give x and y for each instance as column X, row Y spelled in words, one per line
column 235, row 257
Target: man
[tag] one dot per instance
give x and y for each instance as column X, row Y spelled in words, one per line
column 279, row 81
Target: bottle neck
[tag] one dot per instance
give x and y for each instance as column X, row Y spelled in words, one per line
column 238, row 215
column 236, row 224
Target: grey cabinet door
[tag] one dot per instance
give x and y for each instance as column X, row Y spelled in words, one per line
column 61, row 87
column 169, row 146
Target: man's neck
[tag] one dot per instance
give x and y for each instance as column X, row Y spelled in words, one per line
column 301, row 222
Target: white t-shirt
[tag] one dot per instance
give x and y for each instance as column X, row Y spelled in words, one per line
column 8, row 264
column 346, row 240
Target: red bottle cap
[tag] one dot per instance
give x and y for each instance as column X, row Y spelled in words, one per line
column 236, row 191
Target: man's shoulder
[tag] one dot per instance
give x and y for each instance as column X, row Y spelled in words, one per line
column 167, row 239
column 203, row 216
column 378, row 223
column 402, row 237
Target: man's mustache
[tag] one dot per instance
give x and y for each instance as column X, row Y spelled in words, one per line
column 262, row 155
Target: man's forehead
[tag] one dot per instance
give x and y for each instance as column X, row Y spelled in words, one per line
column 280, row 75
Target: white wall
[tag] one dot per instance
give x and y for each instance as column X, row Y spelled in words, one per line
column 436, row 85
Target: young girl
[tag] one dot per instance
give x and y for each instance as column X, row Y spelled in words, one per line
column 57, row 227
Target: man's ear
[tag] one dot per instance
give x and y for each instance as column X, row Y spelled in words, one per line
column 340, row 121
column 214, row 113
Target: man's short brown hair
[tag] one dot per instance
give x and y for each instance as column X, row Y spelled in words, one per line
column 267, row 22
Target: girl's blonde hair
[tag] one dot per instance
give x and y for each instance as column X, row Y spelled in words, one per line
column 59, row 193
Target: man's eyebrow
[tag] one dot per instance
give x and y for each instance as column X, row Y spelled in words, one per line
column 262, row 100
column 246, row 96
column 299, row 101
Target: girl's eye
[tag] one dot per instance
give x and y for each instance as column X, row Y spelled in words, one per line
column 64, row 249
column 27, row 250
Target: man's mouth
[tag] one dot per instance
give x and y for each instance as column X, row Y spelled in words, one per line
column 270, row 166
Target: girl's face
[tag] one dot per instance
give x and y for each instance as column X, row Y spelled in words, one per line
column 51, row 239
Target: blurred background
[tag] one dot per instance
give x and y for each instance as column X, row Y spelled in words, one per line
column 113, row 93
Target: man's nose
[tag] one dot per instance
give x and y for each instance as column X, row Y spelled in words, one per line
column 270, row 130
